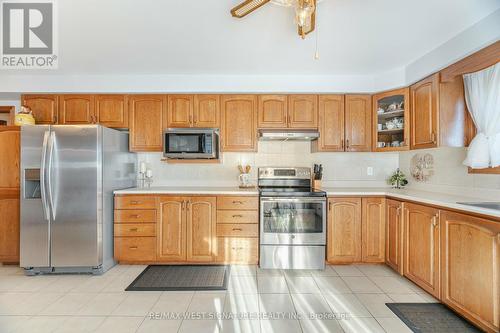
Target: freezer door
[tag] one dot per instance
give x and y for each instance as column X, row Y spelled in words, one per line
column 74, row 195
column 35, row 226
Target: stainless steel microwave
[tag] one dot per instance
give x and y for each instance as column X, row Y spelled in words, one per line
column 191, row 143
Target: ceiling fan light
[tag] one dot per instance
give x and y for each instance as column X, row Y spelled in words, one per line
column 303, row 12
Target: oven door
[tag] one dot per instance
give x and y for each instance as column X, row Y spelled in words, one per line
column 292, row 221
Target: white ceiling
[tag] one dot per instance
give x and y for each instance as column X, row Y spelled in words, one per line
column 200, row 37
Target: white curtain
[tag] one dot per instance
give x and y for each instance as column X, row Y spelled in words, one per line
column 482, row 94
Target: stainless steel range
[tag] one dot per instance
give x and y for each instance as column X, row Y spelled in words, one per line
column 292, row 220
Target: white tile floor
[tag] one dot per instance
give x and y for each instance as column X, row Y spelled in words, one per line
column 287, row 301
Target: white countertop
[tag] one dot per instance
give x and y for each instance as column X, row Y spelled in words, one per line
column 431, row 198
column 190, row 190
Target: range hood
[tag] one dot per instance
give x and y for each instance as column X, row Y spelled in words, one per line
column 288, row 135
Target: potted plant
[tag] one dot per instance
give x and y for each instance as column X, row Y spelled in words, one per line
column 398, row 179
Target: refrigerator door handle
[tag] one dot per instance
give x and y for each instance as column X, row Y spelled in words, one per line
column 43, row 176
column 49, row 173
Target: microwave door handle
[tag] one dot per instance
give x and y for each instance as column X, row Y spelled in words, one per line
column 203, row 143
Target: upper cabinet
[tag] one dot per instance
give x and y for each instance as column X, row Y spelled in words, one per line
column 391, row 112
column 76, row 109
column 273, row 111
column 358, row 123
column 193, row 111
column 331, row 123
column 112, row 110
column 180, row 110
column 288, row 111
column 146, row 126
column 206, row 111
column 303, row 111
column 345, row 123
column 424, row 97
column 239, row 123
column 44, row 107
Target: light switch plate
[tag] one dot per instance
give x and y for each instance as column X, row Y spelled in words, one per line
column 369, row 171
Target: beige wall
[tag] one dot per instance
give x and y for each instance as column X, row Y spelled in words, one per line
column 341, row 169
column 451, row 176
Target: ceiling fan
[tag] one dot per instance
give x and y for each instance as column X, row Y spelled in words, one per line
column 305, row 12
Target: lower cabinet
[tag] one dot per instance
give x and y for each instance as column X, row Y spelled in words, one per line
column 238, row 250
column 373, row 230
column 9, row 227
column 201, row 237
column 470, row 268
column 187, row 229
column 394, row 235
column 344, row 230
column 356, row 230
column 421, row 247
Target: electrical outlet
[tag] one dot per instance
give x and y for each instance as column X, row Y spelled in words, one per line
column 369, row 171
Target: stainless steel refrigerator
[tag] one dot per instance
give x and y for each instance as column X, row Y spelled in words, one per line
column 68, row 175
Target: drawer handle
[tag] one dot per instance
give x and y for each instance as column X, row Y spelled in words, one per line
column 237, row 229
column 237, row 202
column 238, row 215
column 133, row 202
column 237, row 248
column 133, row 247
column 135, row 216
column 133, row 229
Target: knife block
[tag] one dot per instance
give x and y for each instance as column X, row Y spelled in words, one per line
column 316, row 184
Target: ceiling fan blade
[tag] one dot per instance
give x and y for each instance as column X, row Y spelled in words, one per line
column 247, row 7
column 310, row 26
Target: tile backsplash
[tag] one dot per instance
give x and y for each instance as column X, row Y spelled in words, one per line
column 450, row 175
column 340, row 169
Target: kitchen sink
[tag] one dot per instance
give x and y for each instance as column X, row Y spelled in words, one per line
column 488, row 205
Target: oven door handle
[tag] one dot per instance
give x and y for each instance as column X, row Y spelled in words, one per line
column 302, row 199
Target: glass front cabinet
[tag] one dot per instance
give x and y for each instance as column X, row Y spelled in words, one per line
column 391, row 129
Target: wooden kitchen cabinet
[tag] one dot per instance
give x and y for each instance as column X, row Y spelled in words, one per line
column 9, row 226
column 470, row 268
column 358, row 123
column 145, row 121
column 394, row 235
column 373, row 230
column 272, row 111
column 171, row 228
column 421, row 247
column 10, row 157
column 303, row 111
column 206, row 111
column 201, row 229
column 76, row 109
column 424, row 96
column 239, row 123
column 44, row 107
column 193, row 111
column 331, row 123
column 112, row 110
column 344, row 230
column 180, row 110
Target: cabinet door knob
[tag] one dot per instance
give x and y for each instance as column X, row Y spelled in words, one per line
column 238, row 215
column 133, row 247
column 237, row 202
column 135, row 216
column 133, row 229
column 237, row 229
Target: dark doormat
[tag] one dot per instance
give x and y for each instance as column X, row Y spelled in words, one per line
column 181, row 277
column 430, row 318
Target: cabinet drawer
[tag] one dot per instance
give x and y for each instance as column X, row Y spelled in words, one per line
column 135, row 202
column 248, row 203
column 135, row 248
column 135, row 229
column 135, row 215
column 237, row 216
column 238, row 250
column 238, row 230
